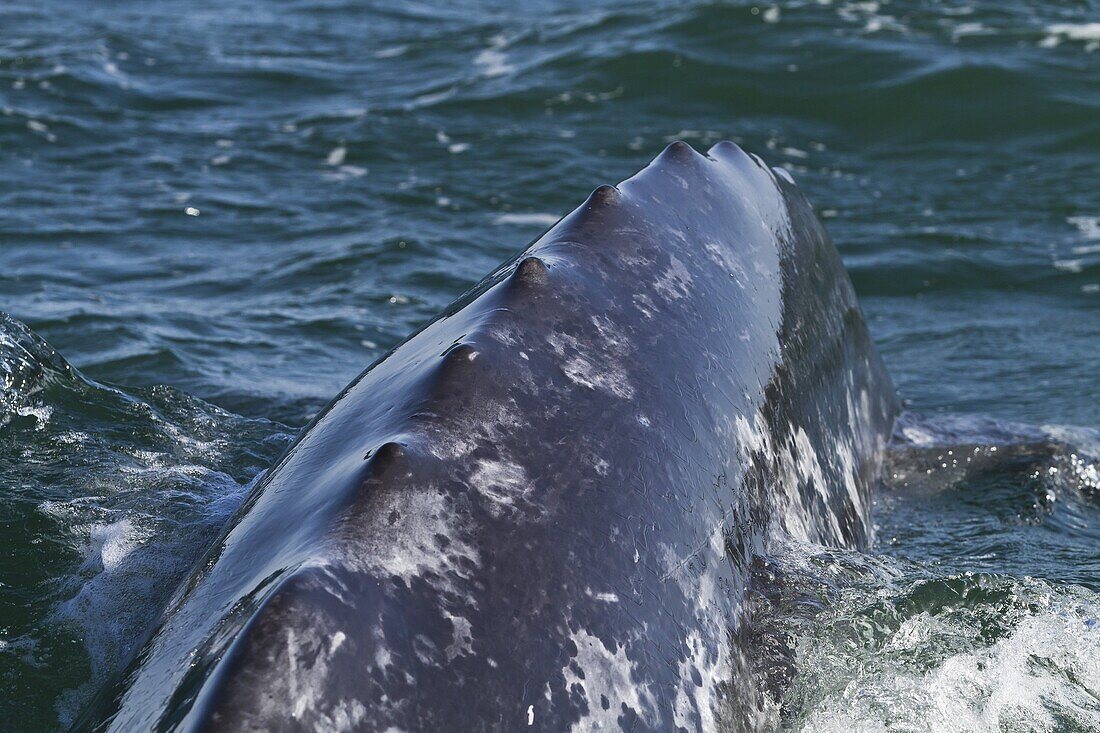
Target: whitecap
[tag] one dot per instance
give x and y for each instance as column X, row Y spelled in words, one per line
column 527, row 219
column 493, row 61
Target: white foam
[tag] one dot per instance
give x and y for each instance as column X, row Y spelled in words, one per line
column 532, row 219
column 41, row 413
column 493, row 61
column 112, row 543
column 1076, row 31
column 391, row 52
column 1041, row 675
column 971, row 29
column 337, row 155
column 1088, row 226
column 1088, row 33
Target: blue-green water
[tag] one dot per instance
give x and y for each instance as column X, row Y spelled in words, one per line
column 219, row 213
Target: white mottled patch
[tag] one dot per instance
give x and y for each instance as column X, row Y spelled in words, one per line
column 347, row 715
column 302, row 669
column 382, row 656
column 721, row 256
column 425, row 650
column 607, row 672
column 583, row 372
column 462, row 638
column 675, row 282
column 489, row 425
column 603, row 596
column 799, row 467
column 500, row 481
column 846, row 462
column 645, row 305
column 447, row 445
column 809, row 467
column 614, row 340
column 711, row 662
column 602, row 466
column 701, row 589
column 505, row 333
column 598, row 368
column 752, row 439
column 404, row 539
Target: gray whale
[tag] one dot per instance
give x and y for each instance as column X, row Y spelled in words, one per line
column 540, row 511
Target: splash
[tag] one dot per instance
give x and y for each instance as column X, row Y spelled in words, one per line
column 979, row 609
column 109, row 498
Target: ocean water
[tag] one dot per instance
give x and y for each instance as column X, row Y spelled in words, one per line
column 214, row 215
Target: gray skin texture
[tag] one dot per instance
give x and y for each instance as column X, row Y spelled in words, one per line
column 541, row 510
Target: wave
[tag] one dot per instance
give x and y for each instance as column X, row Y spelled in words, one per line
column 980, row 609
column 109, row 498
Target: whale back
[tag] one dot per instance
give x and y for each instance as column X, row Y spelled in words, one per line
column 542, row 508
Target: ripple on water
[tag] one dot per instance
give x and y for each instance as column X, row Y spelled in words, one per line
column 979, row 609
column 108, row 499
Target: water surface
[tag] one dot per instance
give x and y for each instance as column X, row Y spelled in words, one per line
column 219, row 213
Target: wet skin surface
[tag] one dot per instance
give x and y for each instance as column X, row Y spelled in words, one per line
column 543, row 506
